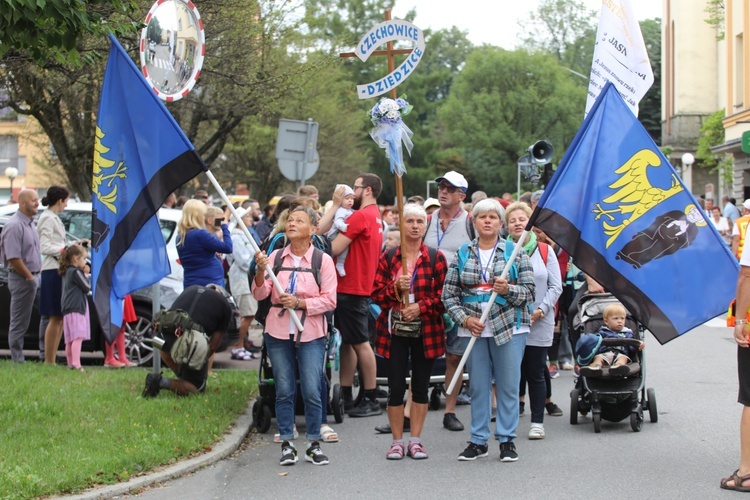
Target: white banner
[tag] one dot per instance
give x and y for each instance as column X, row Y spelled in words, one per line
column 620, row 55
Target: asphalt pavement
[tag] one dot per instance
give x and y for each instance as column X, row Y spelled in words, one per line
column 684, row 455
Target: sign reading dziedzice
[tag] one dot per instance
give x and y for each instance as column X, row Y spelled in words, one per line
column 390, row 31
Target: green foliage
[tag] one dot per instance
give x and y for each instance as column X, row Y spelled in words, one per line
column 713, row 134
column 716, row 11
column 567, row 30
column 63, row 431
column 53, row 29
column 500, row 104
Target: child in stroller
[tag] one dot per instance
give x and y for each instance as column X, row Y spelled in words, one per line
column 610, row 396
column 619, row 358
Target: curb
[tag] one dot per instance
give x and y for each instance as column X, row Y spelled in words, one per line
column 228, row 445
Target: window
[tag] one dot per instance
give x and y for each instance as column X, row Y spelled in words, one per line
column 9, row 152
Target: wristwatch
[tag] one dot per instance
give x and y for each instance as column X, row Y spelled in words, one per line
column 540, row 311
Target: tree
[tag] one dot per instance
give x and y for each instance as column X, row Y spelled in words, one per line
column 247, row 72
column 565, row 29
column 53, row 30
column 500, row 104
column 716, row 12
column 713, row 134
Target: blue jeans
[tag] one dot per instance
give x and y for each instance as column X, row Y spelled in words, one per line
column 285, row 359
column 489, row 361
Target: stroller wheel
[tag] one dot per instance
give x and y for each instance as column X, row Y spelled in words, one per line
column 435, row 399
column 574, row 394
column 337, row 404
column 597, row 418
column 651, row 402
column 636, row 420
column 261, row 416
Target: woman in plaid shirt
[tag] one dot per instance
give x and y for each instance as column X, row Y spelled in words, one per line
column 422, row 284
column 500, row 342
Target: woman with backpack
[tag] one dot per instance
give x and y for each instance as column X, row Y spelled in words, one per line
column 309, row 297
column 414, row 330
column 548, row 290
column 472, row 277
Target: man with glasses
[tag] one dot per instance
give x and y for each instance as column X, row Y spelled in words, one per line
column 363, row 238
column 450, row 227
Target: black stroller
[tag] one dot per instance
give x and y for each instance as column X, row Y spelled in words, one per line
column 264, row 408
column 609, row 397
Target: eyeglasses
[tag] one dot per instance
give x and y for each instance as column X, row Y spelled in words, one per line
column 359, row 187
column 447, row 187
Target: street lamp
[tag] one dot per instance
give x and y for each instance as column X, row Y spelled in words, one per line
column 11, row 173
column 687, row 173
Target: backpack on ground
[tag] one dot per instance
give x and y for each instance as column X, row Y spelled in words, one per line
column 185, row 339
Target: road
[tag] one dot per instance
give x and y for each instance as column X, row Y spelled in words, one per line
column 694, row 444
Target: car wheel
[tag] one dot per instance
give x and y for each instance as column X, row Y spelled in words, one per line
column 138, row 337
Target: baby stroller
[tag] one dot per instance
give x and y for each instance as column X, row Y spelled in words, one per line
column 264, row 408
column 609, row 397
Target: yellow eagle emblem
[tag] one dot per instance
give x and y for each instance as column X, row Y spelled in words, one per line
column 634, row 194
column 102, row 184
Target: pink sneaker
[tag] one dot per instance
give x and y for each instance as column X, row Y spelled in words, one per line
column 416, row 450
column 396, row 452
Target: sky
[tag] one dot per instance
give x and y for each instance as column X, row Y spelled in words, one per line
column 495, row 22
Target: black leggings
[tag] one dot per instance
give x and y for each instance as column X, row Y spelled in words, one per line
column 533, row 369
column 398, row 370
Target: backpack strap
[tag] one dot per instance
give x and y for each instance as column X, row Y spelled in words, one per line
column 463, row 255
column 470, row 227
column 543, row 251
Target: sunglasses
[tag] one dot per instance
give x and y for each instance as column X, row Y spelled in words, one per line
column 447, row 187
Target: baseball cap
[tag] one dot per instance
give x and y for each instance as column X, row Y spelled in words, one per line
column 431, row 202
column 454, row 179
column 746, row 203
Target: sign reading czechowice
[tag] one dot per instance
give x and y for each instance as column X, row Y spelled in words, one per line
column 385, row 32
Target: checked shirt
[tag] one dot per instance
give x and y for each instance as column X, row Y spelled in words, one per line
column 427, row 288
column 501, row 319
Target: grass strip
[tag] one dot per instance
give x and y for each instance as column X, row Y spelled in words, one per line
column 62, row 431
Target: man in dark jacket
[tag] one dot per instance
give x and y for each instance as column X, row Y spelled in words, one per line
column 210, row 309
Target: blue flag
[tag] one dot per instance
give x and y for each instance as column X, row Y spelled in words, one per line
column 140, row 156
column 617, row 206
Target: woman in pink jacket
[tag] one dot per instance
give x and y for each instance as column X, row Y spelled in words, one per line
column 309, row 298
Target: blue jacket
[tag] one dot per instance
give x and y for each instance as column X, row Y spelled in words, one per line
column 625, row 333
column 198, row 256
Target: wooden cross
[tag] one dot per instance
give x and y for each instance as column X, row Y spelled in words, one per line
column 389, row 52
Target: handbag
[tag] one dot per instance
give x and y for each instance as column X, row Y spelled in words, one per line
column 402, row 328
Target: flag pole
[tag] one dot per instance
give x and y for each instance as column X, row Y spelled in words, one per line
column 255, row 246
column 459, row 370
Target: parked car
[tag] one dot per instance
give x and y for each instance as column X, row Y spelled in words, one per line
column 77, row 221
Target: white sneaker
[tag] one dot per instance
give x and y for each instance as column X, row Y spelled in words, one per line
column 566, row 366
column 536, row 431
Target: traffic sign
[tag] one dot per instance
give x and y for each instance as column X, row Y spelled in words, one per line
column 297, row 140
column 298, row 170
column 746, row 142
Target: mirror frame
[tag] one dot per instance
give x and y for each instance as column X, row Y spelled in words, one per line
column 199, row 52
